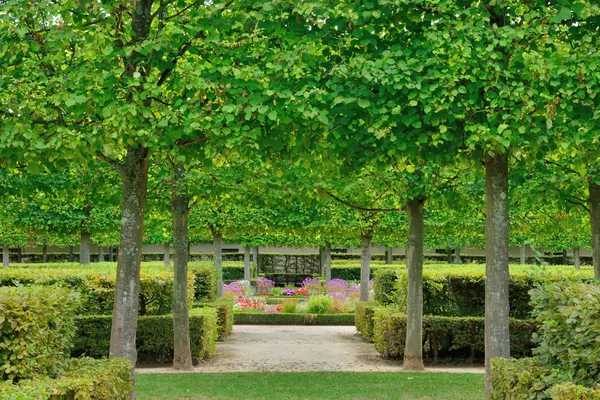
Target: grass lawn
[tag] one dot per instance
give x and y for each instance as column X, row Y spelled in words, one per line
column 310, row 385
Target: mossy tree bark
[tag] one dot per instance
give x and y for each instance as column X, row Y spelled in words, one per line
column 45, row 254
column 180, row 205
column 167, row 254
column 218, row 246
column 84, row 247
column 497, row 339
column 134, row 172
column 365, row 266
column 255, row 257
column 457, row 259
column 413, row 350
column 247, row 263
column 388, row 256
column 5, row 257
column 100, row 253
column 576, row 258
column 327, row 262
column 594, row 202
column 523, row 258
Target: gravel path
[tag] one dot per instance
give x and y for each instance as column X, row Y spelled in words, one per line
column 256, row 348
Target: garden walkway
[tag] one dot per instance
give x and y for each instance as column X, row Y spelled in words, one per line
column 256, row 348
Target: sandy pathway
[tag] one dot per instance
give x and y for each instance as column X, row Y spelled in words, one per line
column 255, row 348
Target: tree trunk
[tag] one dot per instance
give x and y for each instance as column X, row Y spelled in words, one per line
column 84, row 248
column 388, row 256
column 497, row 339
column 576, row 259
column 134, row 172
column 457, row 259
column 71, row 255
column 45, row 254
column 365, row 267
column 523, row 255
column 247, row 276
column 218, row 244
column 594, row 189
column 255, row 258
column 565, row 258
column 167, row 253
column 5, row 256
column 100, row 253
column 182, row 355
column 19, row 255
column 413, row 350
column 327, row 260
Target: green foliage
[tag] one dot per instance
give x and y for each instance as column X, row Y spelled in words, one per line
column 518, row 379
column 224, row 316
column 289, row 306
column 83, row 379
column 568, row 314
column 444, row 337
column 97, row 285
column 154, row 336
column 319, row 304
column 365, row 311
column 570, row 391
column 460, row 290
column 37, row 326
column 293, row 319
column 205, row 283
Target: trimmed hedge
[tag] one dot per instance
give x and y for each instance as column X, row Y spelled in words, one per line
column 460, row 290
column 570, row 391
column 365, row 312
column 97, row 288
column 242, row 318
column 154, row 336
column 527, row 378
column 517, row 379
column 205, row 284
column 224, row 316
column 37, row 326
column 568, row 338
column 84, row 379
column 445, row 337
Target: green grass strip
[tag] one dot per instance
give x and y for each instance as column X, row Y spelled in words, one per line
column 310, row 385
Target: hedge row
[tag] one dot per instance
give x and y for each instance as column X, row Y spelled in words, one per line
column 36, row 331
column 83, row 379
column 242, row 318
column 154, row 339
column 224, row 316
column 529, row 379
column 97, row 287
column 364, row 313
column 460, row 290
column 444, row 337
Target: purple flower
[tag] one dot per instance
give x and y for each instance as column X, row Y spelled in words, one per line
column 336, row 285
column 288, row 292
column 337, row 295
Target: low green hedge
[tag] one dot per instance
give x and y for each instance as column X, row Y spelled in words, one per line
column 517, row 379
column 568, row 338
column 97, row 285
column 529, row 379
column 460, row 290
column 154, row 336
column 242, row 318
column 205, row 284
column 224, row 316
column 37, row 326
column 365, row 311
column 570, row 391
column 445, row 337
column 84, row 379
